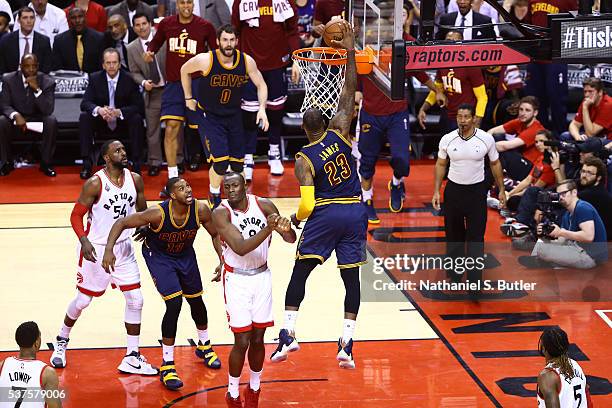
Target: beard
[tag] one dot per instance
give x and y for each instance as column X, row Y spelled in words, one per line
column 228, row 52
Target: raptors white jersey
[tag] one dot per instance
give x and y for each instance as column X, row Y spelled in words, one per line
column 249, row 223
column 114, row 202
column 21, row 374
column 573, row 392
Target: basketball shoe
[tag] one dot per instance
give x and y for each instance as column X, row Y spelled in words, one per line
column 396, row 197
column 206, row 353
column 371, row 212
column 251, row 398
column 136, row 363
column 58, row 358
column 345, row 354
column 286, row 344
column 168, row 376
column 233, row 402
column 275, row 163
column 249, row 165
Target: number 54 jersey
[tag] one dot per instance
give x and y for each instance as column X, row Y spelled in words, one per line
column 339, row 221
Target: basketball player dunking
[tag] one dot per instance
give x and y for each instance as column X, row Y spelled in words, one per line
column 171, row 259
column 27, row 373
column 112, row 193
column 245, row 223
column 330, row 199
column 224, row 73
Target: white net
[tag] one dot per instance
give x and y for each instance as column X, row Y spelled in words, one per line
column 322, row 70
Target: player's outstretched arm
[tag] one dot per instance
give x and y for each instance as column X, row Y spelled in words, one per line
column 89, row 194
column 141, row 201
column 342, row 120
column 262, row 91
column 304, row 174
column 50, row 382
column 199, row 63
column 151, row 216
column 234, row 238
column 284, row 224
column 549, row 386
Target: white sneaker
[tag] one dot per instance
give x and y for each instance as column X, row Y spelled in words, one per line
column 286, row 344
column 136, row 363
column 275, row 163
column 58, row 358
column 493, row 203
column 248, row 171
column 345, row 355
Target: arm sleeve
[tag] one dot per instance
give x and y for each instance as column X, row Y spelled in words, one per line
column 76, row 219
column 481, row 100
column 431, row 98
column 307, row 202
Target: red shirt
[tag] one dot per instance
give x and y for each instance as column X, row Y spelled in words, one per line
column 600, row 114
column 271, row 43
column 183, row 41
column 540, row 9
column 542, row 171
column 326, row 9
column 95, row 17
column 459, row 87
column 527, row 135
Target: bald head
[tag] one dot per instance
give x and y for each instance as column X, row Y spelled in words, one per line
column 117, row 26
column 29, row 65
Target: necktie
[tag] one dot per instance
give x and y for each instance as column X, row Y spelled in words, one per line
column 462, row 21
column 80, row 51
column 119, row 48
column 153, row 69
column 112, row 124
column 26, row 49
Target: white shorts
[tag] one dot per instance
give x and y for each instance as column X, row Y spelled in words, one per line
column 93, row 280
column 248, row 300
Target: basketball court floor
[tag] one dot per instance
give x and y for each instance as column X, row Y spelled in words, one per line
column 414, row 348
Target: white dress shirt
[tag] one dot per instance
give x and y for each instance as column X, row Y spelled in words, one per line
column 469, row 22
column 22, row 43
column 110, row 81
column 485, row 9
column 51, row 24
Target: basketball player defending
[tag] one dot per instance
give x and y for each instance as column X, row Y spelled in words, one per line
column 337, row 220
column 171, row 259
column 562, row 383
column 224, row 72
column 112, row 193
column 245, row 223
column 26, row 372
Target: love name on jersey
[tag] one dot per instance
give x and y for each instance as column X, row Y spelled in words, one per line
column 328, row 151
column 251, row 222
column 228, row 80
column 19, row 376
column 183, row 44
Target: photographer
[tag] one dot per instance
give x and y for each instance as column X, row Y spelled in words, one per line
column 580, row 241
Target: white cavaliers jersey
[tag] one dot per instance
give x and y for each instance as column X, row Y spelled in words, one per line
column 249, row 223
column 113, row 203
column 21, row 374
column 573, row 391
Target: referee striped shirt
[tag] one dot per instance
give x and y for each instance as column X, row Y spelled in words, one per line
column 467, row 155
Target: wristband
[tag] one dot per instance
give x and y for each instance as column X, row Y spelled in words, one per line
column 189, row 99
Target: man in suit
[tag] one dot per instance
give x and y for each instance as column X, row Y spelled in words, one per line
column 50, row 19
column 151, row 77
column 27, row 96
column 24, row 41
column 118, row 36
column 129, row 8
column 215, row 11
column 464, row 20
column 111, row 105
column 80, row 48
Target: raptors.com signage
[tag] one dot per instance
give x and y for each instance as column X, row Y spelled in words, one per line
column 587, row 40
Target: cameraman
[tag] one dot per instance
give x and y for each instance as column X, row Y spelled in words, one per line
column 580, row 241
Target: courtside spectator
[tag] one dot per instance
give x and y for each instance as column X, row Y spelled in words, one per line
column 306, row 10
column 129, row 8
column 95, row 15
column 463, row 20
column 5, row 19
column 50, row 20
column 594, row 115
column 79, row 48
column 6, row 7
column 118, row 36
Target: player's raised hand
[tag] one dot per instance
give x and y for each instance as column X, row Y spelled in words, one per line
column 87, row 250
column 283, row 225
column 348, row 37
column 108, row 261
column 217, row 275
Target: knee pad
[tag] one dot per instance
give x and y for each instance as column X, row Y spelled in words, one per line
column 236, row 166
column 170, row 320
column 248, row 120
column 133, row 306
column 401, row 166
column 352, row 299
column 198, row 311
column 220, row 167
column 80, row 302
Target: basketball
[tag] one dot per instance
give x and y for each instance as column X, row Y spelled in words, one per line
column 333, row 31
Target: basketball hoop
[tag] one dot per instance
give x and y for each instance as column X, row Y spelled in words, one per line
column 322, row 69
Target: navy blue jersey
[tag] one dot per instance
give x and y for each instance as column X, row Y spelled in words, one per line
column 333, row 167
column 220, row 88
column 171, row 239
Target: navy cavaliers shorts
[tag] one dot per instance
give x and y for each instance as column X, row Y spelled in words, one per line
column 173, row 104
column 223, row 137
column 335, row 227
column 375, row 131
column 277, row 91
column 173, row 276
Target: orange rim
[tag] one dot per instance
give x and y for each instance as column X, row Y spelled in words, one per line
column 339, row 55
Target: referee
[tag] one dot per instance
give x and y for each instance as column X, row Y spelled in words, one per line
column 465, row 195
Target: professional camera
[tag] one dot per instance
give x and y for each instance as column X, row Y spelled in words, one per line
column 548, row 202
column 569, row 152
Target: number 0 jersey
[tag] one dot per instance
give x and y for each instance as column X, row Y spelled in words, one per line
column 172, row 239
column 220, row 87
column 113, row 202
column 333, row 168
column 573, row 393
